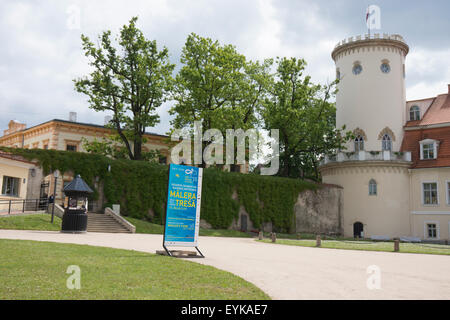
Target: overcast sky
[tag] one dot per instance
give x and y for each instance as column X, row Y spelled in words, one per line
column 41, row 53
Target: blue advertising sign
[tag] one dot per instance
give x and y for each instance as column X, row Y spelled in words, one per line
column 183, row 206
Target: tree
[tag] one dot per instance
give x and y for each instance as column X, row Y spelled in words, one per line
column 131, row 83
column 217, row 86
column 305, row 118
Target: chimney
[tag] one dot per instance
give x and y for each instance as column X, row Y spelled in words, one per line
column 72, row 116
column 107, row 120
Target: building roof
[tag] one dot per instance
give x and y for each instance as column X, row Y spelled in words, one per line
column 77, row 186
column 77, row 123
column 435, row 125
column 411, row 143
column 437, row 113
column 14, row 157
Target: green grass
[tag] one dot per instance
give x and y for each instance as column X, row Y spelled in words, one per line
column 308, row 236
column 368, row 246
column 31, row 222
column 148, row 227
column 42, row 222
column 37, row 270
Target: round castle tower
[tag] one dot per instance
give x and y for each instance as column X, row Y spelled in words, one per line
column 371, row 103
column 371, row 92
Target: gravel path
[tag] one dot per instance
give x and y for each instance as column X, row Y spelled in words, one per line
column 292, row 272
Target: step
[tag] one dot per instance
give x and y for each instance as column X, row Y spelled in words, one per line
column 104, row 224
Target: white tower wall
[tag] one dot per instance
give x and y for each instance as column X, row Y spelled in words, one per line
column 371, row 100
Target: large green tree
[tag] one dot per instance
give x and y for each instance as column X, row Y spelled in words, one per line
column 217, row 86
column 131, row 82
column 305, row 117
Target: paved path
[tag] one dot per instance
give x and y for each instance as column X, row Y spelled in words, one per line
column 290, row 272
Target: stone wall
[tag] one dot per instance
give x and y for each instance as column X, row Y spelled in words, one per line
column 35, row 178
column 318, row 211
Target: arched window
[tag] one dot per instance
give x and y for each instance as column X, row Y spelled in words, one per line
column 414, row 113
column 357, row 68
column 372, row 187
column 359, row 143
column 386, row 143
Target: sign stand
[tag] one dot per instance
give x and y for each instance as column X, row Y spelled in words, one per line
column 180, row 253
column 182, row 221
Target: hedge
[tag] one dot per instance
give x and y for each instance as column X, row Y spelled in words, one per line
column 140, row 187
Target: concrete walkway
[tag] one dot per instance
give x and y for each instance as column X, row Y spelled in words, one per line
column 290, row 272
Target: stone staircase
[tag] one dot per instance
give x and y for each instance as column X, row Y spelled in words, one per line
column 99, row 222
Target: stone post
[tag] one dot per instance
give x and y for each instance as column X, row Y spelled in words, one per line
column 396, row 245
column 318, row 241
column 274, row 237
column 299, row 236
column 260, row 235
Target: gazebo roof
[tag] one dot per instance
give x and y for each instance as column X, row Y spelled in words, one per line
column 77, row 185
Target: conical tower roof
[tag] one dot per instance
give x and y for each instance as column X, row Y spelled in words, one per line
column 77, row 187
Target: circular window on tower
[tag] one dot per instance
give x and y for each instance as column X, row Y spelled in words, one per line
column 357, row 68
column 385, row 67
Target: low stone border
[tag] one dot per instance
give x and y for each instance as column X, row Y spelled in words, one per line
column 121, row 220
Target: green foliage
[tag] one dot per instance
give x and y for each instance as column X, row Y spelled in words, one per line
column 140, row 188
column 131, row 83
column 305, row 118
column 218, row 87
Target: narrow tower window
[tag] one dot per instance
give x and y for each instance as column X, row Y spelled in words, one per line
column 372, row 187
column 359, row 143
column 414, row 113
column 386, row 143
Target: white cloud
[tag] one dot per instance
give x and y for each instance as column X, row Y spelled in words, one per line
column 427, row 73
column 41, row 55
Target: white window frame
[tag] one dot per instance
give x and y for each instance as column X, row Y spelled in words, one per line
column 386, row 142
column 423, row 194
column 376, row 187
column 358, row 141
column 417, row 108
column 435, row 148
column 18, row 180
column 425, row 230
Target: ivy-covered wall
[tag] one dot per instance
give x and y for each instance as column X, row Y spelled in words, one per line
column 140, row 187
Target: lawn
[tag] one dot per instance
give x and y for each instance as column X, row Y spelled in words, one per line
column 148, row 227
column 37, row 270
column 39, row 221
column 42, row 222
column 368, row 245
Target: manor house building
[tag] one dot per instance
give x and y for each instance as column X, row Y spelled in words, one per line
column 395, row 174
column 68, row 135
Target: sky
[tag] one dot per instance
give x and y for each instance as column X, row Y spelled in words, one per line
column 40, row 51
